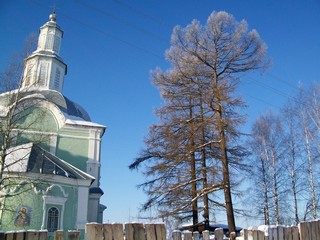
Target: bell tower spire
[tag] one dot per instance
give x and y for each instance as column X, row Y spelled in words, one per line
column 44, row 68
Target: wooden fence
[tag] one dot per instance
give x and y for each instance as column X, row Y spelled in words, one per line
column 304, row 231
column 139, row 231
column 132, row 231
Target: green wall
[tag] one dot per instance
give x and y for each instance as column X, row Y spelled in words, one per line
column 74, row 151
column 26, row 198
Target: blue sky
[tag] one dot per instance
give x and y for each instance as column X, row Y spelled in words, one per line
column 110, row 46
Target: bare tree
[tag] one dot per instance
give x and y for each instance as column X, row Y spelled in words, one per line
column 290, row 118
column 206, row 64
column 258, row 174
column 269, row 146
column 308, row 106
column 20, row 118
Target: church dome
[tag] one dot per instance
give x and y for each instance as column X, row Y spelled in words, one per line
column 70, row 109
column 74, row 109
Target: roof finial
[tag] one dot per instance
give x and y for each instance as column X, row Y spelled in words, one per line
column 53, row 15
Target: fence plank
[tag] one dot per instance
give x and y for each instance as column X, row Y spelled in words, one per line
column 58, row 235
column 10, row 235
column 150, row 232
column 280, row 230
column 138, row 231
column 176, row 235
column 94, row 231
column 117, row 231
column 161, row 233
column 32, row 234
column 187, row 235
column 107, row 231
column 303, row 231
column 218, row 233
column 75, row 235
column 20, row 235
column 287, row 233
column 313, row 229
column 43, row 235
column 205, row 235
column 273, row 233
column 129, row 231
column 252, row 234
column 318, row 229
column 295, row 233
column 260, row 235
column 195, row 235
column 244, row 234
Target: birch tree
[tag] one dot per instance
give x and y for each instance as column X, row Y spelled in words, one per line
column 290, row 118
column 269, row 141
column 307, row 106
column 206, row 64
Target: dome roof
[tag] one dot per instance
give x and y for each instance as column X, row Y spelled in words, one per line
column 68, row 107
column 74, row 109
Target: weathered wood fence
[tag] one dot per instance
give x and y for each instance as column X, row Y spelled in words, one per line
column 95, row 231
column 139, row 231
column 38, row 235
column 132, row 231
column 304, row 231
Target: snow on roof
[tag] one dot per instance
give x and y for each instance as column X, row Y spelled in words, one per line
column 32, row 158
column 79, row 121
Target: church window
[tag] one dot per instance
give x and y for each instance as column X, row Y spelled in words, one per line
column 53, row 219
column 28, row 76
column 42, row 40
column 42, row 74
column 56, row 46
column 57, row 79
column 50, row 40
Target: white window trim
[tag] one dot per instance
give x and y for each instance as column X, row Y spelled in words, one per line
column 56, row 201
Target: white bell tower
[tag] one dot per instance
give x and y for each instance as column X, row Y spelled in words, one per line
column 44, row 68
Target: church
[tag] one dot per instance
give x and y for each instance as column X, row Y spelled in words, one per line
column 50, row 148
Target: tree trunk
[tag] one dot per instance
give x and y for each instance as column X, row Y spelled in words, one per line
column 275, row 188
column 193, row 174
column 313, row 195
column 204, row 172
column 224, row 155
column 225, row 172
column 265, row 193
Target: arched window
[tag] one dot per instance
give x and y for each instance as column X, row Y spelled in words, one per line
column 53, row 219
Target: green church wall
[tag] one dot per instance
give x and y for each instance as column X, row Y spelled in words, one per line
column 74, row 151
column 23, row 212
column 72, row 145
column 33, row 118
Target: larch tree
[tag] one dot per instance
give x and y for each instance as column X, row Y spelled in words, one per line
column 199, row 92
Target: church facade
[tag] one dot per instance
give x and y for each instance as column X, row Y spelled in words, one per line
column 50, row 162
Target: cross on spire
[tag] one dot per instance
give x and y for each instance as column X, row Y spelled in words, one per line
column 54, row 8
column 53, row 15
